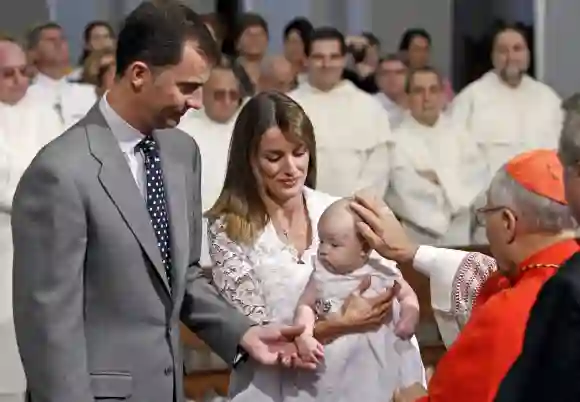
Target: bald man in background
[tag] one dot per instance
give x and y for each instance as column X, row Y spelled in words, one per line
column 25, row 126
column 277, row 74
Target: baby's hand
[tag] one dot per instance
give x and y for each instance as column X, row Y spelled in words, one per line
column 407, row 323
column 309, row 349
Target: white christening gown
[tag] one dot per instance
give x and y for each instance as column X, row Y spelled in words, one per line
column 265, row 281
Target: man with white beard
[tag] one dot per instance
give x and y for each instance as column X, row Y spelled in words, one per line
column 436, row 171
column 25, row 126
column 507, row 111
column 48, row 52
column 352, row 129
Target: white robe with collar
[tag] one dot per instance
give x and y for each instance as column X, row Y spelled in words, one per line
column 70, row 100
column 353, row 137
column 435, row 213
column 395, row 111
column 506, row 121
column 24, row 129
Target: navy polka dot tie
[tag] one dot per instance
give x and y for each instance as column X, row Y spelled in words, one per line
column 156, row 202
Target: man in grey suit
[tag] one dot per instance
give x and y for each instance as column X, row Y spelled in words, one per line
column 107, row 232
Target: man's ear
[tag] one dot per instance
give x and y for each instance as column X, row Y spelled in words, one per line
column 510, row 224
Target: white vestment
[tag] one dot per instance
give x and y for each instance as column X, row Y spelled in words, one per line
column 368, row 366
column 213, row 140
column 455, row 279
column 395, row 111
column 70, row 100
column 24, row 129
column 435, row 213
column 506, row 121
column 353, row 137
column 265, row 280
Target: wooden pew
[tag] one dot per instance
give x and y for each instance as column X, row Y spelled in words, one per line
column 199, row 382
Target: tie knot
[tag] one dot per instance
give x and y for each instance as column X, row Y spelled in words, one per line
column 147, row 145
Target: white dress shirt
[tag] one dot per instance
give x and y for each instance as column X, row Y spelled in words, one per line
column 128, row 138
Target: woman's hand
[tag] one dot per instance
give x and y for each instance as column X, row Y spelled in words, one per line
column 362, row 314
column 359, row 314
column 382, row 230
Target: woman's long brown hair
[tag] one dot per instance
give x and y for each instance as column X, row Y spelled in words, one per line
column 240, row 205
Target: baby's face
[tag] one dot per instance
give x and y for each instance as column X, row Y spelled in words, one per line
column 340, row 249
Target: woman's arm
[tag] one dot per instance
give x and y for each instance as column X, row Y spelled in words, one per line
column 233, row 275
column 305, row 314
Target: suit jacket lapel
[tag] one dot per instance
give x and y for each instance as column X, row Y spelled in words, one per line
column 118, row 181
column 174, row 183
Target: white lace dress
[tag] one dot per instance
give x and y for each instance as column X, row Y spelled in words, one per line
column 265, row 281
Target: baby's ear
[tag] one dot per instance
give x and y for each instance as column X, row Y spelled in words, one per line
column 366, row 247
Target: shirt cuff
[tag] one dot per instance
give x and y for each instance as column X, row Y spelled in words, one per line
column 440, row 265
column 241, row 357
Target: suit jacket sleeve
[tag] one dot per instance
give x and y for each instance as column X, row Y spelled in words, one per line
column 549, row 365
column 219, row 324
column 50, row 236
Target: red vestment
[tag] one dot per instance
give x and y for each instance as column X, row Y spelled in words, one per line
column 490, row 342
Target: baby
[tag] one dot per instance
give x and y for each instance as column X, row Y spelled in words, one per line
column 343, row 261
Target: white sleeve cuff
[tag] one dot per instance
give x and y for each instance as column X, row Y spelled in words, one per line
column 440, row 265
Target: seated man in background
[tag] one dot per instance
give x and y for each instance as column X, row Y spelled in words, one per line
column 276, row 74
column 212, row 128
column 436, row 170
column 531, row 233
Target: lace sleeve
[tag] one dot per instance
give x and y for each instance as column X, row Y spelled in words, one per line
column 233, row 274
column 472, row 274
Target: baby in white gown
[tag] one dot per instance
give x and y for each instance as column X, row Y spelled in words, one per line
column 367, row 366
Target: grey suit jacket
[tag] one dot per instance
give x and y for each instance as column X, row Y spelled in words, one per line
column 93, row 313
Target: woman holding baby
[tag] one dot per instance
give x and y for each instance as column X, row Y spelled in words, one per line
column 265, row 243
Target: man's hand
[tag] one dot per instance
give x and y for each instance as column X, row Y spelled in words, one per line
column 268, row 344
column 409, row 394
column 382, row 230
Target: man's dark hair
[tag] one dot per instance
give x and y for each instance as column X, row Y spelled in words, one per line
column 33, row 35
column 371, row 38
column 415, row 71
column 248, row 20
column 326, row 33
column 155, row 33
column 501, row 27
column 411, row 34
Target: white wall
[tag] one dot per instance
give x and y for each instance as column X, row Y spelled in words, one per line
column 561, row 46
column 18, row 16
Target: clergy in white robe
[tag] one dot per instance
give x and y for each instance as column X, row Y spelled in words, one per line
column 391, row 77
column 25, row 126
column 69, row 100
column 49, row 53
column 436, row 171
column 276, row 74
column 352, row 130
column 212, row 127
column 506, row 110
